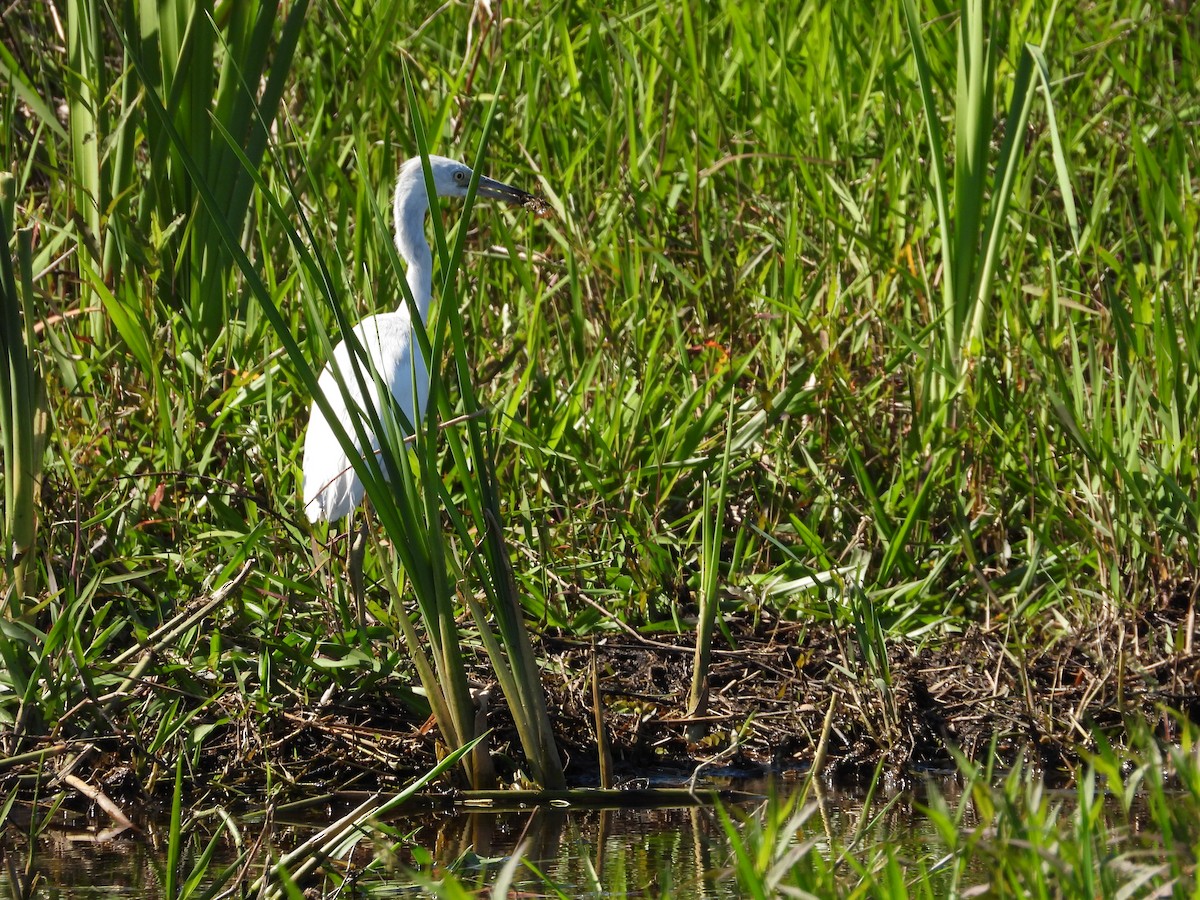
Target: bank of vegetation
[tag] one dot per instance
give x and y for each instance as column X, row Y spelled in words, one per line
column 862, row 350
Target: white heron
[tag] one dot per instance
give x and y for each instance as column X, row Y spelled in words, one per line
column 332, row 489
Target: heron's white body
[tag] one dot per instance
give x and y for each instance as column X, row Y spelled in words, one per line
column 331, row 487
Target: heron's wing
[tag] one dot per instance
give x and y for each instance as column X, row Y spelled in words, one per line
column 331, row 486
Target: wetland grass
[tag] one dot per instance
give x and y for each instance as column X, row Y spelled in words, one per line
column 911, row 428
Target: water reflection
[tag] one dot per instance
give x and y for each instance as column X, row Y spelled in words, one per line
column 631, row 852
column 639, row 852
column 75, row 864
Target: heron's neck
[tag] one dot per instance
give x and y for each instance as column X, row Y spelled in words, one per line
column 411, row 204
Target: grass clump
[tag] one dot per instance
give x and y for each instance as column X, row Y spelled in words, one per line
column 1128, row 827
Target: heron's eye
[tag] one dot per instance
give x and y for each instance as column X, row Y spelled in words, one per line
column 460, row 176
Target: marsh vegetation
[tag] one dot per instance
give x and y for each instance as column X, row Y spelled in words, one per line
column 845, row 409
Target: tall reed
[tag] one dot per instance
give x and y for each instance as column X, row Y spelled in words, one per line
column 972, row 207
column 22, row 399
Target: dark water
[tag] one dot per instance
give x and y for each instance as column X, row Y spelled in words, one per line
column 619, row 852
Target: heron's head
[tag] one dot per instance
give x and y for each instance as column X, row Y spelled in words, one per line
column 451, row 179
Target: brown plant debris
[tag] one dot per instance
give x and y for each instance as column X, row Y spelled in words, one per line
column 1043, row 699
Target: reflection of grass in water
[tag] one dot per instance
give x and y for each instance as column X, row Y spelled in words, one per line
column 1129, row 823
column 741, row 223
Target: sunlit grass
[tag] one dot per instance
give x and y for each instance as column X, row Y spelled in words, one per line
column 745, row 221
column 1129, row 825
